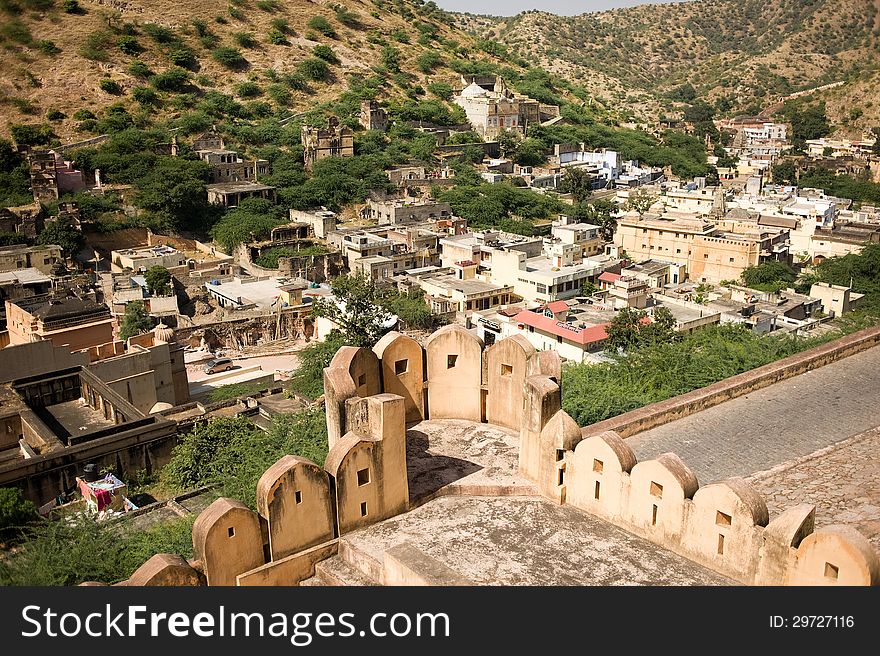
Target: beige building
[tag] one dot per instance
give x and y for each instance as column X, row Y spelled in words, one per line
column 142, row 259
column 702, row 251
column 585, row 235
column 836, row 299
column 64, row 320
column 46, row 259
column 491, row 107
column 333, row 141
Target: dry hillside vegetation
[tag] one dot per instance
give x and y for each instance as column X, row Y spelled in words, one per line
column 62, row 61
column 739, row 53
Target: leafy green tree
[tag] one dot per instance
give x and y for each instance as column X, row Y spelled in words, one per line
column 15, row 510
column 588, row 288
column 355, row 308
column 314, row 69
column 531, row 152
column 772, row 275
column 391, row 58
column 624, row 330
column 30, row 134
column 158, row 280
column 308, row 379
column 135, row 321
column 173, row 192
column 69, row 238
column 577, row 182
column 784, row 172
column 599, row 212
column 410, row 308
column 253, row 219
column 640, row 201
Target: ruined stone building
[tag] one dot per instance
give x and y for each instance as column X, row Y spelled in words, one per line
column 333, row 141
column 372, row 116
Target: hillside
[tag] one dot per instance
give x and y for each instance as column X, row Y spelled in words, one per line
column 740, row 54
column 161, row 58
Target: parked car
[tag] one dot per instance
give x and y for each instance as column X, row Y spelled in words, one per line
column 217, row 365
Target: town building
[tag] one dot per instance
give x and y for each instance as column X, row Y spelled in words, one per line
column 569, row 230
column 394, row 211
column 64, row 319
column 21, row 283
column 48, row 260
column 492, row 108
column 372, row 116
column 333, row 141
column 230, row 194
column 143, row 259
column 264, row 294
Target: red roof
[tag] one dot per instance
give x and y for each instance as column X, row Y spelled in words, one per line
column 557, row 306
column 582, row 336
column 607, row 276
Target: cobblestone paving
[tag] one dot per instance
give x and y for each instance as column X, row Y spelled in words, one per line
column 785, row 421
column 842, row 481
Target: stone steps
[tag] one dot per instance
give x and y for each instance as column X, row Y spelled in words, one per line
column 336, row 571
column 368, row 565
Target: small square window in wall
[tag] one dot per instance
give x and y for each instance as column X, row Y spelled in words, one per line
column 401, row 367
column 363, row 476
column 656, row 490
column 362, row 380
column 831, row 571
column 598, row 465
column 230, row 531
column 506, row 370
column 722, row 519
column 451, row 359
column 363, row 509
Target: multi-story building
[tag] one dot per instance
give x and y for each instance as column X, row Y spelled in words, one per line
column 491, row 107
column 333, row 141
column 65, row 320
column 142, row 259
column 395, row 211
column 586, row 235
column 372, row 116
column 46, row 259
column 22, row 283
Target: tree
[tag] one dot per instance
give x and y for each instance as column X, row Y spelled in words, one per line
column 588, row 288
column 253, row 219
column 640, row 201
column 69, row 238
column 577, row 182
column 599, row 212
column 135, row 320
column 784, row 172
column 391, row 59
column 355, row 308
column 158, row 280
column 508, row 142
column 661, row 330
column 15, row 510
column 623, row 331
column 770, row 276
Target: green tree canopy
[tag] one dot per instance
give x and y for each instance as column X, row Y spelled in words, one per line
column 770, row 276
column 355, row 308
column 135, row 321
column 158, row 280
column 577, row 182
column 69, row 238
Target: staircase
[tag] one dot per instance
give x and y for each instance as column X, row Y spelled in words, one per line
column 349, row 567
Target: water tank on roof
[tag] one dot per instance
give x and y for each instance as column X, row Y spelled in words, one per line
column 90, row 472
column 215, row 282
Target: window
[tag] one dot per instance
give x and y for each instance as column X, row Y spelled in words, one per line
column 560, row 455
column 831, row 571
column 363, row 509
column 362, row 380
column 506, row 370
column 731, row 260
column 720, row 545
column 654, row 515
column 401, row 367
column 230, row 531
column 596, row 491
column 678, row 250
column 656, row 490
column 363, row 477
column 598, row 465
column 450, row 361
column 705, row 256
